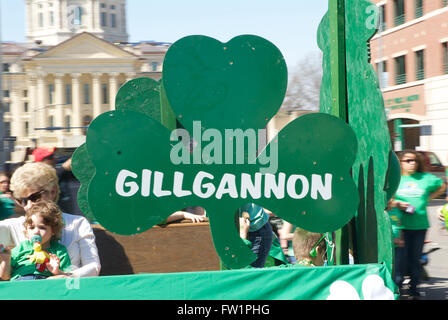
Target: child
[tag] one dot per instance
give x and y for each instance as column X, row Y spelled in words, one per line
column 309, row 248
column 43, row 220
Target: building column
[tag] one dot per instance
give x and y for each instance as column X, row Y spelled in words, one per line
column 30, row 18
column 59, row 99
column 41, row 108
column 96, row 94
column 76, row 103
column 113, row 88
column 16, row 110
column 32, row 92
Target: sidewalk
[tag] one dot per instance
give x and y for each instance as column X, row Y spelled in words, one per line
column 436, row 287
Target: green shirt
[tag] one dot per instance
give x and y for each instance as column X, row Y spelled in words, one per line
column 7, row 206
column 257, row 216
column 415, row 190
column 21, row 266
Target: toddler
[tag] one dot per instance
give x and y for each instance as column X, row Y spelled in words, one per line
column 39, row 259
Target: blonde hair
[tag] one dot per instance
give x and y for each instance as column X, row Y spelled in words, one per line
column 50, row 214
column 304, row 241
column 34, row 175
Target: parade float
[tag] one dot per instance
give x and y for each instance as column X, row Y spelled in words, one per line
column 174, row 143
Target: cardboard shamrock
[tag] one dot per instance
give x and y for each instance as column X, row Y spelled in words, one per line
column 221, row 93
column 376, row 169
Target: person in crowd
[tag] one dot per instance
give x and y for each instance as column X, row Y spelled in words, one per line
column 8, row 208
column 397, row 234
column 416, row 189
column 68, row 184
column 38, row 181
column 39, row 256
column 260, row 232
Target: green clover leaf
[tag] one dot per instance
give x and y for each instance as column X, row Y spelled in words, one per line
column 135, row 183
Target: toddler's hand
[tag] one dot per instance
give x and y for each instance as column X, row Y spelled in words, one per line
column 53, row 264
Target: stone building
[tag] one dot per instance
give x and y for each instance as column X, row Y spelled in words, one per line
column 76, row 58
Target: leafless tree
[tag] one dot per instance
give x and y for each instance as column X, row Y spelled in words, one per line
column 304, row 84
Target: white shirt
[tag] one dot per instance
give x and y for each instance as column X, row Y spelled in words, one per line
column 77, row 236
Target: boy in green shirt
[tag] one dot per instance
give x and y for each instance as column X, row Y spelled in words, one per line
column 32, row 260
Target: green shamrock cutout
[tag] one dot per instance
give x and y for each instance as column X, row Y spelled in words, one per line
column 137, row 180
column 143, row 95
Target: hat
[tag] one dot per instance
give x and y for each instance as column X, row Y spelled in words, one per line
column 42, row 153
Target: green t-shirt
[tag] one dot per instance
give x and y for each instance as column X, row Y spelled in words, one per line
column 7, row 206
column 257, row 216
column 21, row 266
column 415, row 190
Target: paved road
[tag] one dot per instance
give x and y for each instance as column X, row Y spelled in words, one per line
column 436, row 288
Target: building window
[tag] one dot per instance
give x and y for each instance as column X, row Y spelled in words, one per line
column 112, row 7
column 51, row 18
column 25, row 93
column 154, row 66
column 41, row 19
column 86, row 122
column 25, row 107
column 420, row 65
column 399, row 14
column 103, row 5
column 105, row 94
column 113, row 20
column 382, row 18
column 382, row 73
column 7, row 129
column 445, row 57
column 86, row 94
column 51, row 122
column 27, row 128
column 6, row 67
column 68, row 94
column 400, row 70
column 103, row 19
column 6, row 93
column 50, row 93
column 444, row 3
column 67, row 123
column 418, row 8
column 77, row 16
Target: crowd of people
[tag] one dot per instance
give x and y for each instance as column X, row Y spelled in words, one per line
column 35, row 223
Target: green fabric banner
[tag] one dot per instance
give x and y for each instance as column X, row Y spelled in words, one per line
column 371, row 281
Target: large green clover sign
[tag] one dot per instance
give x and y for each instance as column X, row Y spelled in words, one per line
column 140, row 171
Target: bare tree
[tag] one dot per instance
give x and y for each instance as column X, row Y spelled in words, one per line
column 304, row 84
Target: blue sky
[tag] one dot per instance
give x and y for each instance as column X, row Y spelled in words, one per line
column 290, row 24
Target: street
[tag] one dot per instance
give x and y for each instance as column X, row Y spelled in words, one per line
column 436, row 287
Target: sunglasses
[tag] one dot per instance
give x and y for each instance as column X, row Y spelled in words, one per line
column 36, row 196
column 409, row 160
column 313, row 252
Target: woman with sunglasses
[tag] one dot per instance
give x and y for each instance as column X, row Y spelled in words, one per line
column 416, row 189
column 37, row 181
